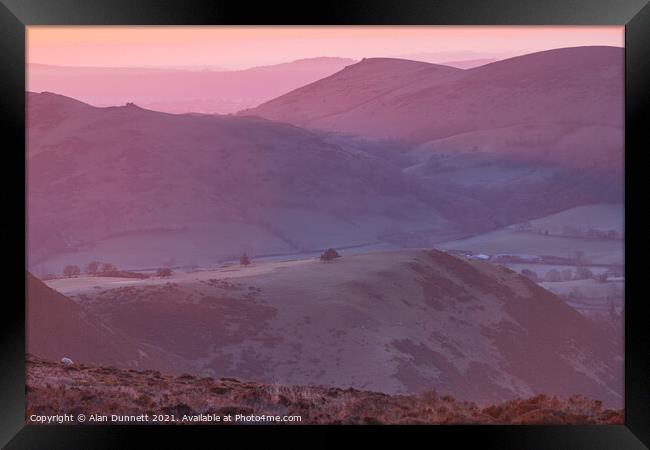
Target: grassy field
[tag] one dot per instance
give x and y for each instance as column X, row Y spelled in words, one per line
column 607, row 216
column 518, row 242
column 596, row 251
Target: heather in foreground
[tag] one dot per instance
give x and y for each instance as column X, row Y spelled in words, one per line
column 53, row 388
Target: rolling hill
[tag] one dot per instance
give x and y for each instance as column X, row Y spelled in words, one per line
column 560, row 106
column 393, row 322
column 144, row 187
column 331, row 102
column 57, row 327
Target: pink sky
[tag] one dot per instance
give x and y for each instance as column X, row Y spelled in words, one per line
column 236, row 47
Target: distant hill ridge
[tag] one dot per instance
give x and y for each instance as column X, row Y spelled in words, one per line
column 181, row 90
column 420, row 102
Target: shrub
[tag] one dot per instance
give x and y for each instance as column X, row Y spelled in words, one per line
column 582, row 273
column 329, row 255
column 92, row 268
column 71, row 271
column 164, row 272
column 244, row 260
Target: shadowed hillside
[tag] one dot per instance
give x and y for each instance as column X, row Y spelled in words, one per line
column 57, row 327
column 137, row 187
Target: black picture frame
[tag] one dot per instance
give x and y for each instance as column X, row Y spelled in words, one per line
column 15, row 15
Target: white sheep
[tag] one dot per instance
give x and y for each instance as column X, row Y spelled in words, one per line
column 66, row 361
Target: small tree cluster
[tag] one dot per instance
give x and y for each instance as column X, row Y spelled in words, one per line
column 555, row 275
column 329, row 255
column 164, row 272
column 71, row 271
column 92, row 268
column 96, row 268
column 244, row 260
column 582, row 273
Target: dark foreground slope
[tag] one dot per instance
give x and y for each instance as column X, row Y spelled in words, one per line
column 82, row 389
column 57, row 327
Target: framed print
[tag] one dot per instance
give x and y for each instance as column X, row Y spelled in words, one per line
column 383, row 218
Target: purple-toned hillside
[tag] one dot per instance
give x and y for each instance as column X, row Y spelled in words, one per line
column 561, row 105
